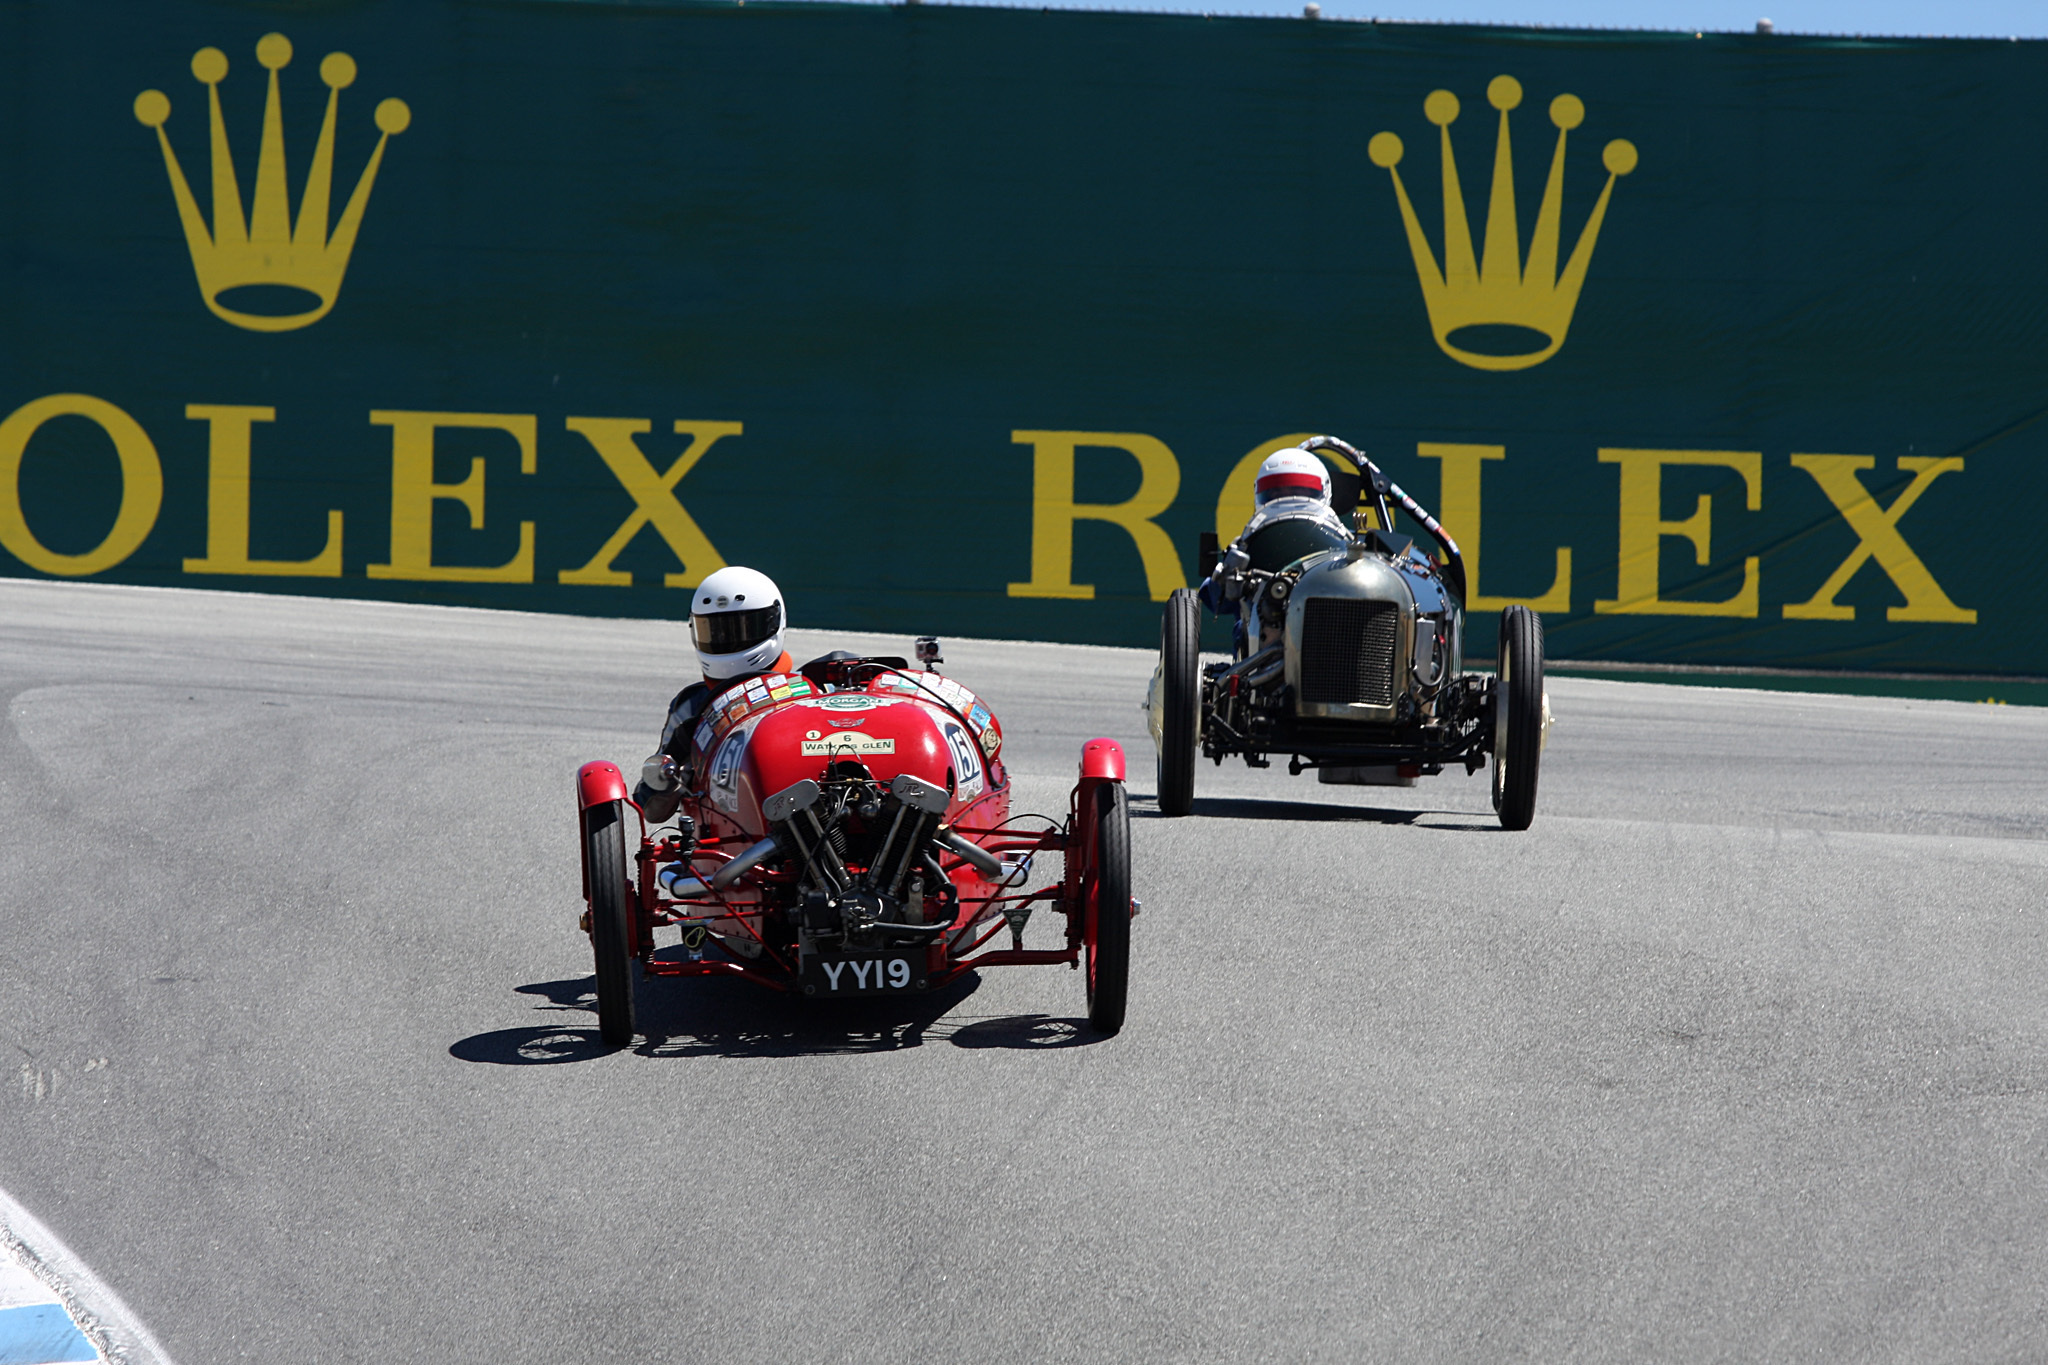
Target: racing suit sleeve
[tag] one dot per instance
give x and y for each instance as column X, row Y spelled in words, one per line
column 1215, row 591
column 660, row 803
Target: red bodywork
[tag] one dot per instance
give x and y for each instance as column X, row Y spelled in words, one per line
column 760, row 738
column 795, row 739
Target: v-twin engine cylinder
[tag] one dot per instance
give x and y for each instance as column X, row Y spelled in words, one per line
column 870, row 885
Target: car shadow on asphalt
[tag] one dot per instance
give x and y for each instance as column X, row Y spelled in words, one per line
column 722, row 1018
column 1244, row 808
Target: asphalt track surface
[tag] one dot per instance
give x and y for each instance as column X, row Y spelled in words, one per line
column 1740, row 1053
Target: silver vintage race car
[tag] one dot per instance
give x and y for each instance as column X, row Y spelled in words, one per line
column 1349, row 659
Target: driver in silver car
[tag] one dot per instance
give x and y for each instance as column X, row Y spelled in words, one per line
column 1291, row 518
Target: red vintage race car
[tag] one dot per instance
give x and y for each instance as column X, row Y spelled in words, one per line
column 847, row 833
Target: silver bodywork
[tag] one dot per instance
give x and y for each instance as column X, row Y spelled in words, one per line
column 1398, row 676
column 1416, row 661
column 1348, row 654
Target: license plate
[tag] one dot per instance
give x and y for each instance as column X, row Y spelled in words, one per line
column 866, row 974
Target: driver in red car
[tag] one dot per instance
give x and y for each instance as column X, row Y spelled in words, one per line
column 737, row 624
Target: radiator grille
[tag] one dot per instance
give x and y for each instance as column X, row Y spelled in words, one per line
column 1347, row 650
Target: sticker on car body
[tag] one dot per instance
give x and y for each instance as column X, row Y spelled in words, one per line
column 725, row 768
column 849, row 743
column 853, row 702
column 966, row 762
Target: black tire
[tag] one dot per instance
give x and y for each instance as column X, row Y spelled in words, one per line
column 1518, row 718
column 1180, row 687
column 1108, row 949
column 611, row 924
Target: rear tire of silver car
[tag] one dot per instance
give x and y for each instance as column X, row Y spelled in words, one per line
column 611, row 926
column 1518, row 717
column 1180, row 688
column 1108, row 937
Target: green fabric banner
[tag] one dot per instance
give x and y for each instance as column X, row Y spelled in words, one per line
column 1717, row 350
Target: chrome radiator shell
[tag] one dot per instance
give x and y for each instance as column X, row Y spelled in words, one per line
column 1350, row 634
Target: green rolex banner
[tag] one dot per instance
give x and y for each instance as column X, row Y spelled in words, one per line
column 1716, row 350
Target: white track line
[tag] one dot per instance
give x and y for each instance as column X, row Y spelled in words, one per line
column 97, row 1309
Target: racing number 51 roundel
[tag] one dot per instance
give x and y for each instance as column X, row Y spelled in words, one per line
column 966, row 760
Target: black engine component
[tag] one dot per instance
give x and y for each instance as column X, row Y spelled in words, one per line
column 862, row 855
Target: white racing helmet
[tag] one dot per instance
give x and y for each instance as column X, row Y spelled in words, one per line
column 736, row 622
column 1291, row 473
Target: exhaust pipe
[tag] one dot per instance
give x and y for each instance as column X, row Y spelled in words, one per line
column 1257, row 661
column 744, row 863
column 974, row 854
column 681, row 883
column 1260, row 669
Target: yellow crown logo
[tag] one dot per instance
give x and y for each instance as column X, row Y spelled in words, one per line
column 266, row 249
column 1501, row 293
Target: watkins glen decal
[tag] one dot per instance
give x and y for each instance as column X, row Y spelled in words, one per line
column 848, row 744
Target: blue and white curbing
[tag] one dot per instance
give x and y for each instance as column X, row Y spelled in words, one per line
column 53, row 1309
column 35, row 1329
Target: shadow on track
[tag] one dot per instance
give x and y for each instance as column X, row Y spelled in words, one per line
column 1242, row 808
column 719, row 1018
column 1026, row 1032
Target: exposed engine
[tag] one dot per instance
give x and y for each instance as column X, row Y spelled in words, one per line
column 862, row 858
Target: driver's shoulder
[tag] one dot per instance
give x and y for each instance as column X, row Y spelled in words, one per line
column 695, row 695
column 683, row 712
column 1291, row 509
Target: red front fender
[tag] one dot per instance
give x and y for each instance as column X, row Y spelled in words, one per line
column 598, row 782
column 1102, row 758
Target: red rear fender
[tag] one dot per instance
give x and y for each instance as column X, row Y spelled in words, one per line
column 598, row 782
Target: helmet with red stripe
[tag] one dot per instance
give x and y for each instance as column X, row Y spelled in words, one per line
column 1291, row 473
